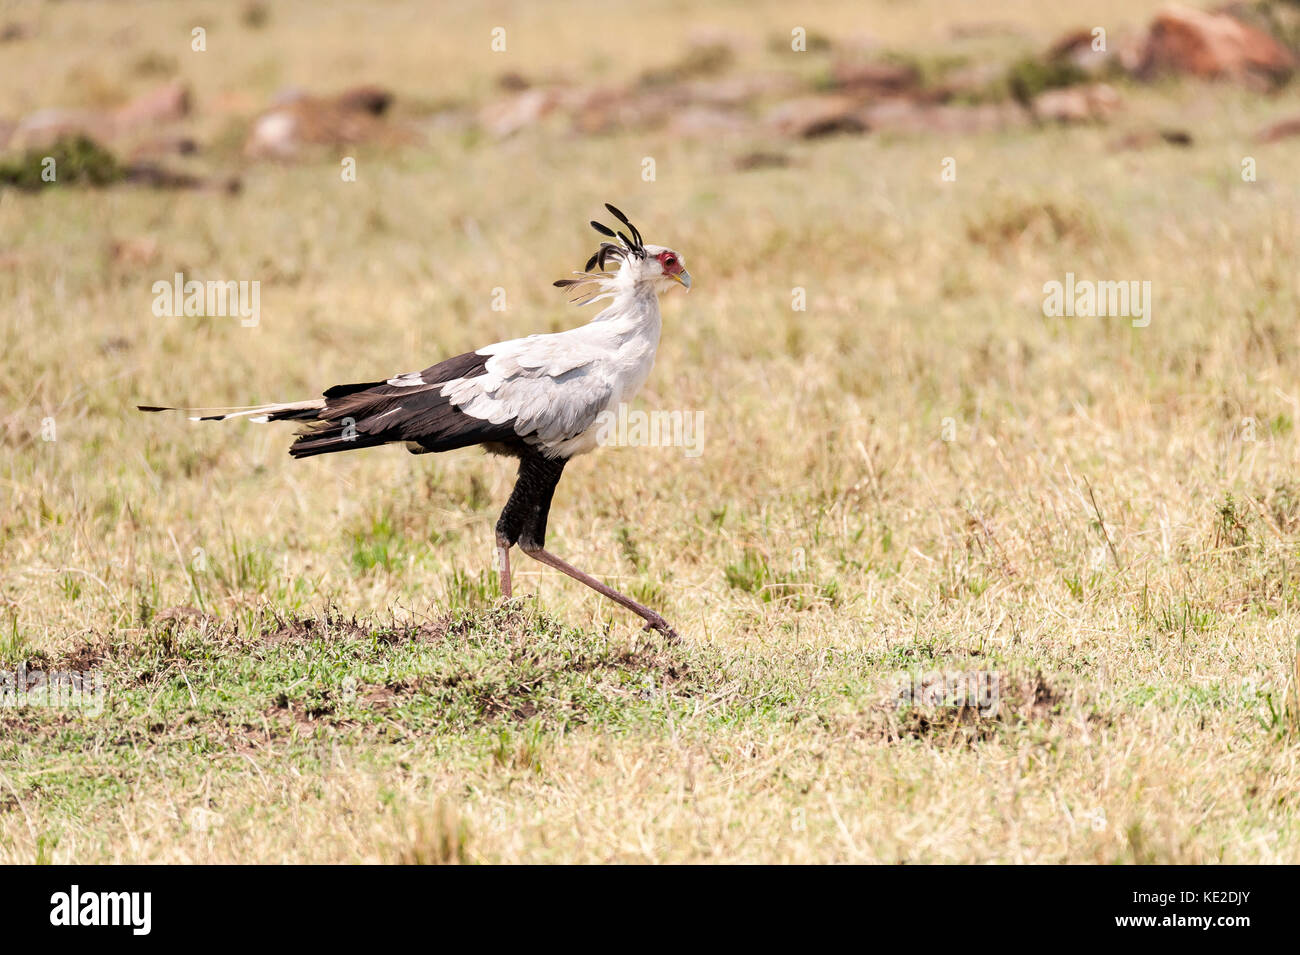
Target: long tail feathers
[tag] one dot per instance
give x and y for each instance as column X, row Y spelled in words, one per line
column 324, row 438
column 283, row 411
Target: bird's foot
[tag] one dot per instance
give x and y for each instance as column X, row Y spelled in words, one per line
column 656, row 622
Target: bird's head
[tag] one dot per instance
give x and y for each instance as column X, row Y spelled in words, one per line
column 657, row 265
column 662, row 266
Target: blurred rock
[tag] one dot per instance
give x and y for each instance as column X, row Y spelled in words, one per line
column 1146, row 138
column 881, row 79
column 736, row 90
column 595, row 110
column 970, row 81
column 910, row 117
column 1212, row 46
column 505, row 117
column 689, row 106
column 275, row 135
column 153, row 176
column 298, row 121
column 1283, row 129
column 45, row 127
column 365, row 99
column 606, row 110
column 693, row 121
column 1076, row 104
column 760, row 160
column 166, row 104
column 159, row 107
column 810, row 117
column 168, row 144
column 513, row 82
column 1076, row 48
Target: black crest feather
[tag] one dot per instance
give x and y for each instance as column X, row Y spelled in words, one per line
column 636, row 233
column 631, row 246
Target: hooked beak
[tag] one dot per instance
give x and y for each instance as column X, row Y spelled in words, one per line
column 684, row 278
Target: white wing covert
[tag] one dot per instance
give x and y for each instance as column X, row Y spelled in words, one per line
column 552, row 387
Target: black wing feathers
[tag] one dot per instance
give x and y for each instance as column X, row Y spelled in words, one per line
column 372, row 413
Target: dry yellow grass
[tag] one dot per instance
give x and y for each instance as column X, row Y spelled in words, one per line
column 1118, row 509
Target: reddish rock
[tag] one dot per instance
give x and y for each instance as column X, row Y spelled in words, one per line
column 1212, row 45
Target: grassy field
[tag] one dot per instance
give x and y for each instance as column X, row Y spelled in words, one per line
column 309, row 661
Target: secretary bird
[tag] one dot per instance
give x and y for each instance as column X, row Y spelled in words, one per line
column 537, row 399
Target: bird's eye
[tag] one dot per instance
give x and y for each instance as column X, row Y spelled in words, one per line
column 670, row 261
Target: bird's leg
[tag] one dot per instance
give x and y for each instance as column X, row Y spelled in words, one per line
column 524, row 521
column 652, row 620
column 503, row 565
column 535, row 484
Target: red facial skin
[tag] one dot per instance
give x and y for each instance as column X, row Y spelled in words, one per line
column 670, row 262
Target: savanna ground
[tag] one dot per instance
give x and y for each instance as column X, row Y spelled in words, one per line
column 309, row 661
